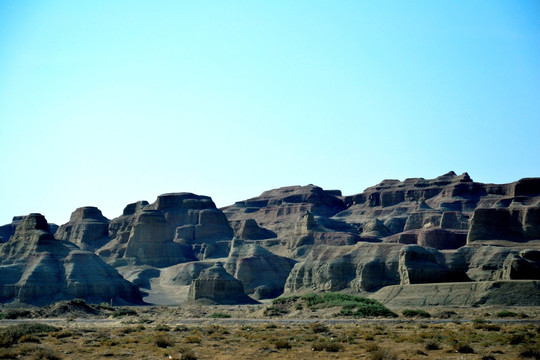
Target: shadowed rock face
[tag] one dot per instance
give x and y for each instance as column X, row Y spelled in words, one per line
column 420, row 265
column 215, row 285
column 37, row 269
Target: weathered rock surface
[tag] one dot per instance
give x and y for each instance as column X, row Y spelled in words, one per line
column 176, row 228
column 302, row 238
column 248, row 229
column 7, row 231
column 281, row 210
column 215, row 285
column 507, row 293
column 262, row 272
column 361, row 267
column 419, row 265
column 87, row 228
column 38, row 269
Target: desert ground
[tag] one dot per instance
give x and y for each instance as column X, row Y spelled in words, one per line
column 75, row 330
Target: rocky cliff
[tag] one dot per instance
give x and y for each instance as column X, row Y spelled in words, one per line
column 176, row 228
column 36, row 268
column 448, row 230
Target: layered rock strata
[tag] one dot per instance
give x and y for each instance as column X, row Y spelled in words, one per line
column 36, row 268
column 215, row 285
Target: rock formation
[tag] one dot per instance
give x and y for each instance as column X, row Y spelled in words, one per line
column 448, row 230
column 262, row 272
column 176, row 228
column 215, row 285
column 38, row 269
column 87, row 228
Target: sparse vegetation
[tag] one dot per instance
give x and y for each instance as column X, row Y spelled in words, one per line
column 416, row 313
column 163, row 340
column 432, row 345
column 350, row 305
column 329, row 346
column 219, row 315
column 321, row 337
column 11, row 334
column 505, row 314
column 120, row 312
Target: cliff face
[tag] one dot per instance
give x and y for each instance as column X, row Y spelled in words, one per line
column 176, row 228
column 293, row 239
column 36, row 268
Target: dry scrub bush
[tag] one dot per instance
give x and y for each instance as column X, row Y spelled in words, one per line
column 192, row 339
column 163, row 340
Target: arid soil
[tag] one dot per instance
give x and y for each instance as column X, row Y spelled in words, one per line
column 196, row 331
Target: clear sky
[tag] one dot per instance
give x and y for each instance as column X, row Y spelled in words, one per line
column 104, row 103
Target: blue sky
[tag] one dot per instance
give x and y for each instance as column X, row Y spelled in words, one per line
column 104, row 103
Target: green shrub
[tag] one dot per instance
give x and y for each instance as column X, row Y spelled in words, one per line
column 285, row 300
column 17, row 314
column 365, row 310
column 219, row 315
column 416, row 313
column 124, row 312
column 506, row 313
column 162, row 327
column 351, row 305
column 446, row 314
column 319, row 328
column 11, row 334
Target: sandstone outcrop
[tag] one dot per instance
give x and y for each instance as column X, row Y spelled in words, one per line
column 215, row 285
column 283, row 209
column 176, row 228
column 420, row 265
column 262, row 273
column 87, row 228
column 36, row 268
column 7, row 231
column 361, row 267
column 248, row 229
column 447, row 230
column 506, row 293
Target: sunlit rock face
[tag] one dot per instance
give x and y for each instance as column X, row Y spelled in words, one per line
column 295, row 239
column 176, row 228
column 38, row 269
column 216, row 285
column 87, row 228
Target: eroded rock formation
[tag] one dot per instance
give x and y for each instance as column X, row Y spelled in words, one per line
column 36, row 268
column 216, row 285
column 87, row 228
column 446, row 230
